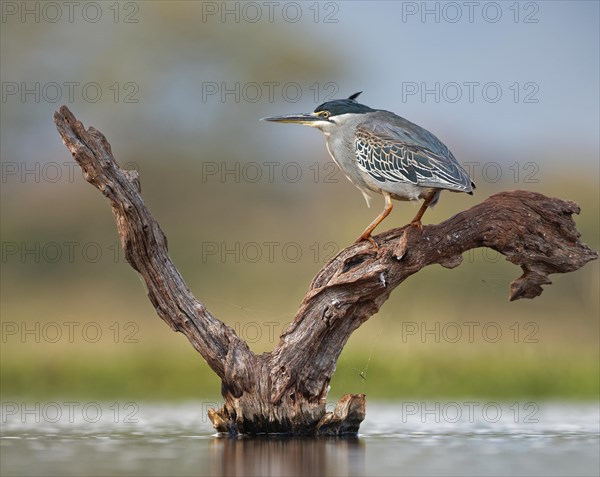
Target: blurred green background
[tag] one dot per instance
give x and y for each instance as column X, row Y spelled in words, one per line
column 252, row 210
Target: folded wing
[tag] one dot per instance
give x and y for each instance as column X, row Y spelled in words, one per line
column 405, row 152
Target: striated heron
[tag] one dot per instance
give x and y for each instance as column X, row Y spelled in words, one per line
column 381, row 152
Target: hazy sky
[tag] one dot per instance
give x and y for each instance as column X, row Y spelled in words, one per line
column 494, row 79
column 445, row 63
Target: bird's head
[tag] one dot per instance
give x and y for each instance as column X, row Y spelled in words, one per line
column 326, row 116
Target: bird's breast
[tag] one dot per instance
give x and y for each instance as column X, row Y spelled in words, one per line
column 344, row 157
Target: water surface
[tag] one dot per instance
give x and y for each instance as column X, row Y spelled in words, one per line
column 408, row 438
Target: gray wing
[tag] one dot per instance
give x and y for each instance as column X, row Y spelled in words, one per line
column 400, row 151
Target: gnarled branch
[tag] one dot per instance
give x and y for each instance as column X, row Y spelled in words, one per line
column 286, row 390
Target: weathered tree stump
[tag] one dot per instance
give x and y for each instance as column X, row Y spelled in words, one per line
column 285, row 391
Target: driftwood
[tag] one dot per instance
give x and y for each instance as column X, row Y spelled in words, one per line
column 285, row 391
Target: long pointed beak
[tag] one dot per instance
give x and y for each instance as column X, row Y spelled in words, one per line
column 308, row 119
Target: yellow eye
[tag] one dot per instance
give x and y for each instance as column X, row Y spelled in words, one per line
column 324, row 114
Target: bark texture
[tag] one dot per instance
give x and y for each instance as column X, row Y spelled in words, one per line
column 285, row 391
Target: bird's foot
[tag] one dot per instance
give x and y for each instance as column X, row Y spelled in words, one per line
column 368, row 237
column 416, row 224
column 411, row 232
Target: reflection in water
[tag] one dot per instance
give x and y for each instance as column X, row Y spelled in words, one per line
column 178, row 440
column 285, row 456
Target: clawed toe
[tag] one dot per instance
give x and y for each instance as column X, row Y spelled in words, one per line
column 417, row 224
column 362, row 238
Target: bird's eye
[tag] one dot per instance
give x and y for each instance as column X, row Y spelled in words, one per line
column 324, row 114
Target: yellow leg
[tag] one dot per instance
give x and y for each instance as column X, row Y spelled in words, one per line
column 366, row 235
column 416, row 222
column 402, row 246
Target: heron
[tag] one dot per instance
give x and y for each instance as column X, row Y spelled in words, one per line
column 382, row 152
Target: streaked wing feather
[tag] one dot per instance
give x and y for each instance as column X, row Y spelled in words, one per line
column 397, row 154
